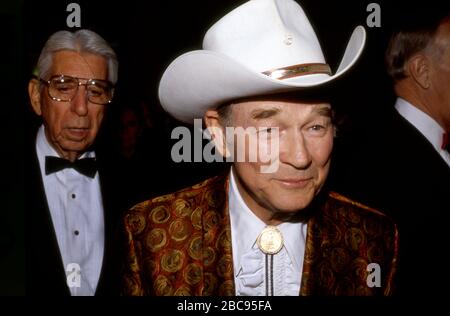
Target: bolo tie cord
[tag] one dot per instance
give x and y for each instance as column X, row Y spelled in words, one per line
column 269, row 275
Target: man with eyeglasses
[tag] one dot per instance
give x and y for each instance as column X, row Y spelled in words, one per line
column 70, row 219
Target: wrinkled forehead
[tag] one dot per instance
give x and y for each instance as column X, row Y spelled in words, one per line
column 286, row 108
column 79, row 64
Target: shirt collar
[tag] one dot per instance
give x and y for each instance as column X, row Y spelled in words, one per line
column 294, row 235
column 246, row 227
column 427, row 126
column 42, row 145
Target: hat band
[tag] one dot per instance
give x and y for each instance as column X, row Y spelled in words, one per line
column 298, row 70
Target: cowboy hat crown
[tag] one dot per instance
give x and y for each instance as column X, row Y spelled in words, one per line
column 261, row 47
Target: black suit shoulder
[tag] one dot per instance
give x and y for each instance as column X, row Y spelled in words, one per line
column 397, row 171
column 395, row 162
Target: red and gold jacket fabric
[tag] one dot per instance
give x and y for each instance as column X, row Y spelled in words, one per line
column 180, row 244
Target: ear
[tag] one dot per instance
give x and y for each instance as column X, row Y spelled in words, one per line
column 419, row 69
column 215, row 128
column 35, row 96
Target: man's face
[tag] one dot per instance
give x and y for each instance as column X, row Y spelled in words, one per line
column 305, row 137
column 71, row 127
column 440, row 73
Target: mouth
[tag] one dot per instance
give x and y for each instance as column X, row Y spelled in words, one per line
column 78, row 132
column 294, row 183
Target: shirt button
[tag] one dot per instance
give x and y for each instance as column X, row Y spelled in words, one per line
column 73, row 195
column 76, row 232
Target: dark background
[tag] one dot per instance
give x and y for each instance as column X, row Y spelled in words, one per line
column 147, row 36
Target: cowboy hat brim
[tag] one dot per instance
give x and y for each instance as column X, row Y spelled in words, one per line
column 200, row 80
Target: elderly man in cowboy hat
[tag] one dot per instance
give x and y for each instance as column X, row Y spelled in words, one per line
column 256, row 231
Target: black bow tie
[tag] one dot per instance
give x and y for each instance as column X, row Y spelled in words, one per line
column 85, row 166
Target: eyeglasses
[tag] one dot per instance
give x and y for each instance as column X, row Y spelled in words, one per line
column 64, row 89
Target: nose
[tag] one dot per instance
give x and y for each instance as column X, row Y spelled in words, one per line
column 80, row 102
column 294, row 150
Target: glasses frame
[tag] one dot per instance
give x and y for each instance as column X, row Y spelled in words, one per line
column 88, row 82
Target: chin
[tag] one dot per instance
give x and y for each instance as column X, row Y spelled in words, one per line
column 76, row 146
column 293, row 208
column 293, row 204
column 289, row 199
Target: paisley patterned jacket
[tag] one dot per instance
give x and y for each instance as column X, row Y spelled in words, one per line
column 180, row 244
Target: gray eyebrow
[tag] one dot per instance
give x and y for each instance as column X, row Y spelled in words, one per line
column 260, row 114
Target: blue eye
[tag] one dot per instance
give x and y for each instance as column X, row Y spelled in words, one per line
column 317, row 127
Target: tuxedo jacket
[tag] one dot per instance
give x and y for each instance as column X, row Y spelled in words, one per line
column 399, row 172
column 45, row 272
column 180, row 244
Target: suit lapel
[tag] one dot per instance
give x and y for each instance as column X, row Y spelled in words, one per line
column 45, row 271
column 419, row 144
column 108, row 283
column 218, row 272
column 306, row 286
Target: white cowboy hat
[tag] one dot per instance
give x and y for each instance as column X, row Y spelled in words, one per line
column 261, row 47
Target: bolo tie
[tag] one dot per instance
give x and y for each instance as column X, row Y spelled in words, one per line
column 270, row 242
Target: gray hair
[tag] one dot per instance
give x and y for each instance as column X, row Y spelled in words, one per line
column 412, row 39
column 84, row 41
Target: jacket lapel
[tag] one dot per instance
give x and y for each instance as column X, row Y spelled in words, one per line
column 45, row 271
column 342, row 240
column 308, row 261
column 218, row 272
column 109, row 280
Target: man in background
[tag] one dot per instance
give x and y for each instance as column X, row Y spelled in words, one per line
column 403, row 167
column 71, row 213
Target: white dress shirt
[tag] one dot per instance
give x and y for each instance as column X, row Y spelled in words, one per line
column 76, row 209
column 249, row 260
column 427, row 126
